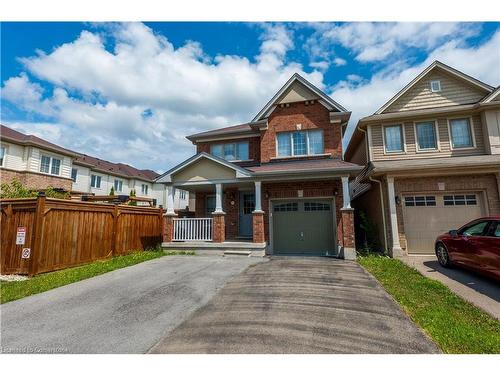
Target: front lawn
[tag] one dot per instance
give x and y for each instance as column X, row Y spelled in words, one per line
column 12, row 290
column 454, row 324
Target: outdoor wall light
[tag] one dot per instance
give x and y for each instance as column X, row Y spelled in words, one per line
column 398, row 200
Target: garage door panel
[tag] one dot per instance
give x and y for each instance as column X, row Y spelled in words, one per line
column 427, row 218
column 303, row 227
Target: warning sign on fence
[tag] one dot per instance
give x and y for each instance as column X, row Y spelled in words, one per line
column 21, row 235
column 26, row 253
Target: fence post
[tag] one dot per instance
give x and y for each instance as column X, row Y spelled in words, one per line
column 114, row 238
column 36, row 246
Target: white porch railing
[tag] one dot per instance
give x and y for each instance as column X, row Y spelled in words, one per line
column 193, row 229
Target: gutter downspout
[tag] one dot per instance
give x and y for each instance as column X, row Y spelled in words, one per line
column 379, row 185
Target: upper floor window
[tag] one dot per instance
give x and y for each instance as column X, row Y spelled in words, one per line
column 74, row 173
column 393, row 138
column 2, row 155
column 426, row 135
column 300, row 143
column 95, row 181
column 118, row 185
column 144, row 189
column 435, row 86
column 182, row 194
column 231, row 151
column 50, row 165
column 461, row 133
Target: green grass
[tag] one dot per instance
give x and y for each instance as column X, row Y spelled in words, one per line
column 12, row 290
column 454, row 324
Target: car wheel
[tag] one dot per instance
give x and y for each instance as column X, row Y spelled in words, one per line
column 442, row 255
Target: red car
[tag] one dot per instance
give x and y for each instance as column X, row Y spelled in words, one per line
column 476, row 246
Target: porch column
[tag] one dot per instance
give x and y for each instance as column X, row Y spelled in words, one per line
column 396, row 246
column 258, row 216
column 169, row 199
column 168, row 217
column 345, row 192
column 219, row 226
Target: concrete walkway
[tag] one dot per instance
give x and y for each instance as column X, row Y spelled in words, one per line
column 124, row 311
column 299, row 305
column 482, row 292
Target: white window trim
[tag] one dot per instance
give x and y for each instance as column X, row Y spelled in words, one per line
column 114, row 185
column 402, row 125
column 100, row 185
column 436, row 129
column 6, row 149
column 290, row 133
column 439, row 84
column 52, row 157
column 473, row 134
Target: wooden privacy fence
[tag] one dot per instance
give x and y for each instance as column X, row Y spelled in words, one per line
column 43, row 234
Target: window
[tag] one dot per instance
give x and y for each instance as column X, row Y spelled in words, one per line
column 2, row 155
column 460, row 200
column 425, row 201
column 393, row 137
column 95, row 181
column 426, row 135
column 284, row 207
column 231, row 151
column 74, row 173
column 50, row 165
column 461, row 133
column 144, row 189
column 248, row 204
column 476, row 229
column 182, row 194
column 494, row 229
column 300, row 143
column 435, row 86
column 210, row 204
column 119, row 185
column 315, row 206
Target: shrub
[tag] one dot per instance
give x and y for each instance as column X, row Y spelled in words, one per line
column 15, row 189
column 112, row 191
column 367, row 235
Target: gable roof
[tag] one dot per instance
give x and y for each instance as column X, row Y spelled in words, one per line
column 324, row 98
column 240, row 171
column 492, row 97
column 439, row 65
column 14, row 136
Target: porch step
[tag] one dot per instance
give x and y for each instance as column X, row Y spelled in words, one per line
column 237, row 252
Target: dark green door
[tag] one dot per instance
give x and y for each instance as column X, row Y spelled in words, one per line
column 303, row 227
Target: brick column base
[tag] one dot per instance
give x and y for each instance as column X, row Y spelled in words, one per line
column 348, row 243
column 219, row 234
column 258, row 227
column 168, row 227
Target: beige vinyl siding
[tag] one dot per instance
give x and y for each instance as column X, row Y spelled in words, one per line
column 35, row 160
column 453, row 92
column 359, row 155
column 15, row 157
column 443, row 139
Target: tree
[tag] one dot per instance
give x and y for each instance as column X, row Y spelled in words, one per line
column 112, row 191
column 132, row 194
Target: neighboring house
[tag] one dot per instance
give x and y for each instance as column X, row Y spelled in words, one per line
column 38, row 164
column 35, row 162
column 432, row 156
column 277, row 183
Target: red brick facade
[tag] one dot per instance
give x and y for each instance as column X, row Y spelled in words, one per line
column 258, row 227
column 168, row 228
column 348, row 228
column 313, row 116
column 35, row 180
column 219, row 234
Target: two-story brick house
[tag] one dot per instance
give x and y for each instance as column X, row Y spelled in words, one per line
column 277, row 184
column 432, row 157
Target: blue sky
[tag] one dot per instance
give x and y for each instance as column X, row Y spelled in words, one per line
column 131, row 92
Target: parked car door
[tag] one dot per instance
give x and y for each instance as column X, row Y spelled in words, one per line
column 464, row 246
column 490, row 249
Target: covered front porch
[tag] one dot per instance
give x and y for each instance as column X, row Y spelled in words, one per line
column 256, row 212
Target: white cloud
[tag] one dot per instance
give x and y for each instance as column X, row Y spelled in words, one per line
column 100, row 96
column 378, row 41
column 365, row 97
column 338, row 61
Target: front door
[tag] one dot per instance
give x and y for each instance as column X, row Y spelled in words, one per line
column 247, row 206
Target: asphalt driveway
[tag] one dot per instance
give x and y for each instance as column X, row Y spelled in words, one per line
column 299, row 305
column 124, row 311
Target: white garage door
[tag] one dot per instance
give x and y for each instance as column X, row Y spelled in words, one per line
column 426, row 216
